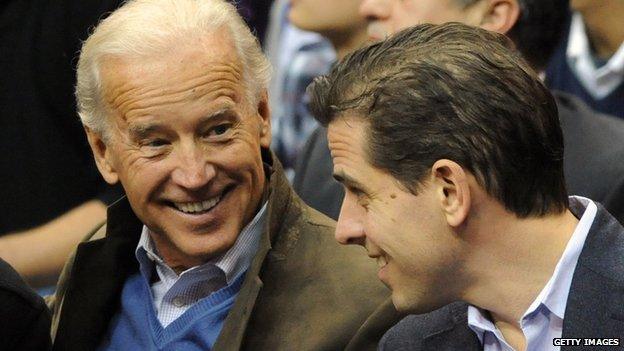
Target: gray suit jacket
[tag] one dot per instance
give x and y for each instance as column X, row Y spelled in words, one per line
column 595, row 307
column 593, row 161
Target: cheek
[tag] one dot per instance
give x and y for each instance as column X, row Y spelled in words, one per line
column 241, row 163
column 143, row 180
column 136, row 172
column 384, row 228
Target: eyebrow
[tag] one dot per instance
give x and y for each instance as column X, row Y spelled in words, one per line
column 346, row 179
column 141, row 131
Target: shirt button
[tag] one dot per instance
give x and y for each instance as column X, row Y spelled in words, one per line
column 178, row 301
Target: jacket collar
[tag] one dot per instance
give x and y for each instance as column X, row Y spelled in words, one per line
column 279, row 210
column 453, row 332
column 594, row 307
column 97, row 276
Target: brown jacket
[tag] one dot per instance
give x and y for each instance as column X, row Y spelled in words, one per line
column 303, row 291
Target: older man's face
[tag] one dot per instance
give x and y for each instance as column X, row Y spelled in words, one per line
column 386, row 17
column 186, row 146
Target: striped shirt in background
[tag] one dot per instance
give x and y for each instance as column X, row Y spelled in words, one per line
column 297, row 57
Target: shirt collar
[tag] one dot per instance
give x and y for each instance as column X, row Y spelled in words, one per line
column 232, row 263
column 579, row 50
column 554, row 295
column 578, row 44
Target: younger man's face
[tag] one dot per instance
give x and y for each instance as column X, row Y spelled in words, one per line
column 407, row 234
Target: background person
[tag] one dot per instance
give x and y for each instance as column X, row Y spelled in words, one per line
column 590, row 61
column 346, row 31
column 24, row 317
column 52, row 192
column 298, row 56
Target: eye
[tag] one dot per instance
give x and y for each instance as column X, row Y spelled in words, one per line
column 361, row 197
column 153, row 147
column 220, row 129
column 155, row 143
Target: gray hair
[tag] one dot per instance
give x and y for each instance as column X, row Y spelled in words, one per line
column 144, row 28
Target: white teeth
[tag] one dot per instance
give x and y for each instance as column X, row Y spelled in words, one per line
column 381, row 261
column 193, row 207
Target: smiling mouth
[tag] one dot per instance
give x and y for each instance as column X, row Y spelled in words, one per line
column 199, row 207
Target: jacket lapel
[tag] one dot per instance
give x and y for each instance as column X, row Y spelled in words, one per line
column 235, row 324
column 94, row 301
column 594, row 308
column 279, row 194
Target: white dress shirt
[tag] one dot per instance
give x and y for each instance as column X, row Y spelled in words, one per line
column 543, row 320
column 173, row 294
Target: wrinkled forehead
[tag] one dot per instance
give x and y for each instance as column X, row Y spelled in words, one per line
column 175, row 58
column 347, row 137
column 204, row 68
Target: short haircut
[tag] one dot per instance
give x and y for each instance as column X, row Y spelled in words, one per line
column 453, row 92
column 147, row 28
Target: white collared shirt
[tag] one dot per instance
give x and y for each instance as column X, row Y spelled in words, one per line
column 543, row 320
column 174, row 294
column 598, row 81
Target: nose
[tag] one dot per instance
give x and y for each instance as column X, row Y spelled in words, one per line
column 350, row 228
column 192, row 170
column 373, row 10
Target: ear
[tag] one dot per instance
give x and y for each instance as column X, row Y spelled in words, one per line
column 103, row 157
column 452, row 190
column 499, row 15
column 264, row 112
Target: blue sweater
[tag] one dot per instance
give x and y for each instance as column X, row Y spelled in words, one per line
column 136, row 326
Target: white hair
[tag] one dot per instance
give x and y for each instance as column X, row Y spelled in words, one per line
column 146, row 28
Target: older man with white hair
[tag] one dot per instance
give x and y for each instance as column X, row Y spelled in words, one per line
column 211, row 249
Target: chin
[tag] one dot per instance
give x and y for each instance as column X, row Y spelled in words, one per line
column 203, row 247
column 415, row 304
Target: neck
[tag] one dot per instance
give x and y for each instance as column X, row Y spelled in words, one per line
column 511, row 261
column 345, row 42
column 603, row 23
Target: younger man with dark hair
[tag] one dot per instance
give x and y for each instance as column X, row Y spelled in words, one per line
column 451, row 154
column 593, row 147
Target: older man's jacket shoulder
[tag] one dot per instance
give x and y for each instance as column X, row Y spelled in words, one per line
column 594, row 308
column 303, row 290
column 317, row 294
